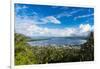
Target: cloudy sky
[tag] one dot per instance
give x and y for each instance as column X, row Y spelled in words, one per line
column 58, row 21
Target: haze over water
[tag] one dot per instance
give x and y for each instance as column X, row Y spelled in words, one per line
column 58, row 41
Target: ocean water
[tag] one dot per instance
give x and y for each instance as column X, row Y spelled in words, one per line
column 58, row 41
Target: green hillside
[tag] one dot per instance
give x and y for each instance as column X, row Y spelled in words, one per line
column 23, row 52
column 87, row 49
column 26, row 54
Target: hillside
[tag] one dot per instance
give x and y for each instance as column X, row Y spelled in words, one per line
column 87, row 49
column 26, row 54
column 23, row 52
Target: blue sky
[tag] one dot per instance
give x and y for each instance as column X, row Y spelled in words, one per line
column 47, row 20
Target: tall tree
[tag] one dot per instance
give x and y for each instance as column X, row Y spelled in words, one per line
column 87, row 49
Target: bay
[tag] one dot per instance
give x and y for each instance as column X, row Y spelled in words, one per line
column 58, row 41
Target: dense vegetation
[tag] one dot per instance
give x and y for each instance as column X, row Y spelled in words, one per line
column 23, row 52
column 26, row 54
column 87, row 49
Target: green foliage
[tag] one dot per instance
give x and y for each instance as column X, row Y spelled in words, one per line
column 23, row 52
column 26, row 54
column 50, row 54
column 87, row 49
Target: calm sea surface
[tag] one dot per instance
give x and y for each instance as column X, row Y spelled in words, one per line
column 58, row 41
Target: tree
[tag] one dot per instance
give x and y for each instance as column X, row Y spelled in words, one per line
column 87, row 49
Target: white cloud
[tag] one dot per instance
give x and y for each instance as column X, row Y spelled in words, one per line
column 64, row 14
column 18, row 8
column 30, row 29
column 85, row 28
column 51, row 19
column 28, row 19
column 35, row 19
column 83, row 16
column 75, row 11
column 21, row 7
